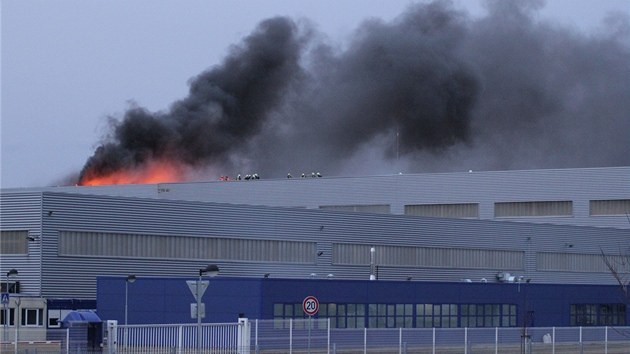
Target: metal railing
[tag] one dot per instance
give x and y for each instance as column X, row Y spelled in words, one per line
column 174, row 339
column 316, row 336
column 292, row 336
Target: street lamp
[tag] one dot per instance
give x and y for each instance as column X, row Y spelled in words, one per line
column 11, row 273
column 130, row 279
column 212, row 270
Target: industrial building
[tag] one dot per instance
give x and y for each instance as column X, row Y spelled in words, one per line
column 432, row 234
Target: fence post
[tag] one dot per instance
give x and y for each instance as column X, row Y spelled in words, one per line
column 328, row 326
column 496, row 340
column 257, row 350
column 243, row 333
column 67, row 340
column 290, row 335
column 433, row 351
column 465, row 340
column 400, row 340
column 365, row 340
column 581, row 340
column 112, row 336
column 606, row 340
column 180, row 339
column 553, row 340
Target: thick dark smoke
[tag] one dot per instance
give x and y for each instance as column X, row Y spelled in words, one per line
column 226, row 107
column 433, row 90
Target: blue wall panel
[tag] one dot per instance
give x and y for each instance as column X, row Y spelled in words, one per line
column 155, row 300
column 164, row 301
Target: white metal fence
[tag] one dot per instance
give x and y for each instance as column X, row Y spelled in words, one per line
column 176, row 339
column 316, row 336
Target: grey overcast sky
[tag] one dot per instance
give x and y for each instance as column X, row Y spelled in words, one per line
column 67, row 66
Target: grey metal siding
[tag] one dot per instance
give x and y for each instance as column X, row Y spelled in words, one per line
column 22, row 211
column 484, row 188
column 191, row 210
column 74, row 276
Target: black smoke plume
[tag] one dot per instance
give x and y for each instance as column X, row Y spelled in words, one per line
column 433, row 90
column 225, row 107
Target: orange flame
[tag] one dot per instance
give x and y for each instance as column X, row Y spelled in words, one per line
column 155, row 171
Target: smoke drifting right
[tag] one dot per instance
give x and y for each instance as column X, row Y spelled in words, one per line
column 432, row 91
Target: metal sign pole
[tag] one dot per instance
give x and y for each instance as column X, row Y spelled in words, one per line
column 5, row 306
column 6, row 322
column 199, row 314
column 310, row 306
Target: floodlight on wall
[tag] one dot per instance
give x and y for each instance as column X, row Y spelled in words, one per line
column 409, row 278
column 313, row 275
column 267, row 275
column 330, row 276
column 320, row 253
column 212, row 271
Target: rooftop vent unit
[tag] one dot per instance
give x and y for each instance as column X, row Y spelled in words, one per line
column 505, row 277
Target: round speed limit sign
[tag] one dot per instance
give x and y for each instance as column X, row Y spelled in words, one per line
column 310, row 305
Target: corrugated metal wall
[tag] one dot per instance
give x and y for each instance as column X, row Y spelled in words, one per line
column 484, row 187
column 74, row 276
column 548, row 253
column 22, row 211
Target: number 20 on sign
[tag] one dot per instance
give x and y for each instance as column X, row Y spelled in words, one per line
column 310, row 305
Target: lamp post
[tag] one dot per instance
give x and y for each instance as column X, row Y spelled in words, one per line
column 11, row 273
column 130, row 279
column 212, row 270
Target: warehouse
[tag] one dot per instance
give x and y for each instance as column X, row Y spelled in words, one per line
column 61, row 239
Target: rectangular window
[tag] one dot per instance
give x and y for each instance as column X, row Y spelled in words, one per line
column 598, row 315
column 377, row 316
column 3, row 317
column 32, row 317
column 376, row 208
column 13, row 287
column 406, row 315
column 466, row 210
column 340, row 315
column 14, row 242
column 488, row 315
column 528, row 209
column 610, row 207
column 77, row 243
column 433, row 257
column 577, row 262
column 54, row 316
column 436, row 315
